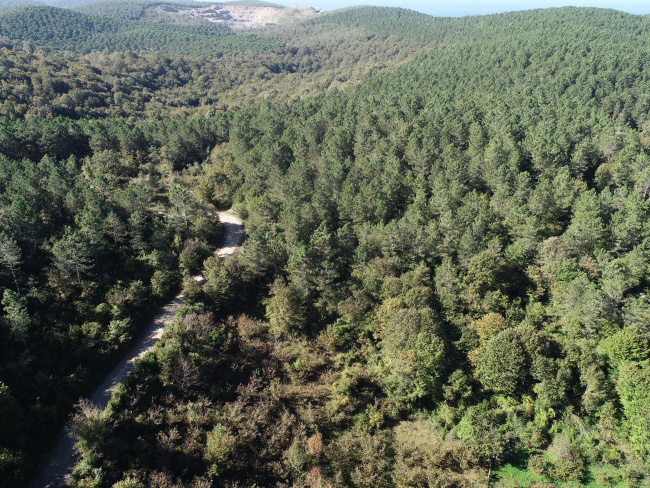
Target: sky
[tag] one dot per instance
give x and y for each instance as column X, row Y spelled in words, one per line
column 474, row 7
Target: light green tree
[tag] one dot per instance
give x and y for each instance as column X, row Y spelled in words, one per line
column 10, row 256
column 15, row 307
column 72, row 255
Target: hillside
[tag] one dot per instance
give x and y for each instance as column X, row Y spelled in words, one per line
column 446, row 267
column 236, row 15
column 74, row 31
column 77, row 3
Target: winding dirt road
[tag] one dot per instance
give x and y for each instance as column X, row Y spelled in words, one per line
column 56, row 473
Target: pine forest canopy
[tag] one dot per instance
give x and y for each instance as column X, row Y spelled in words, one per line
column 446, row 268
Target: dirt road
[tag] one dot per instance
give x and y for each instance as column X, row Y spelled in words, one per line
column 56, row 473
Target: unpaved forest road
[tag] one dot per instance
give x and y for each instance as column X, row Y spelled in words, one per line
column 56, row 473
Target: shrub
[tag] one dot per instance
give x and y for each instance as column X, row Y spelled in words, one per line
column 628, row 344
column 11, row 417
column 207, row 229
column 191, row 289
column 538, row 465
column 296, row 456
column 218, row 450
column 88, row 430
column 192, row 256
column 119, row 331
column 162, row 283
column 13, row 468
column 501, row 368
column 128, row 483
column 567, row 465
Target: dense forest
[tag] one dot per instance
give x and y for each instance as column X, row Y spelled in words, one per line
column 101, row 6
column 446, row 267
column 74, row 31
column 146, row 10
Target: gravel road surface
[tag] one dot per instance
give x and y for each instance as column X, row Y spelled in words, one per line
column 56, row 473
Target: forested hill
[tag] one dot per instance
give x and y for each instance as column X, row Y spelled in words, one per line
column 146, row 9
column 76, row 3
column 81, row 33
column 124, row 10
column 448, row 31
column 446, row 270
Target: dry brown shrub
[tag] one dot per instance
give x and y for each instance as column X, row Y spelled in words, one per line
column 313, row 478
column 162, row 480
column 201, row 482
column 186, row 375
column 168, row 440
column 198, row 324
column 360, row 459
column 315, row 445
column 248, row 327
column 422, row 459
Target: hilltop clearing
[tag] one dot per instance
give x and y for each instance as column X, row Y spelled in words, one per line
column 241, row 17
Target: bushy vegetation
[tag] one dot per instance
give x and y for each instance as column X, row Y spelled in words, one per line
column 445, row 270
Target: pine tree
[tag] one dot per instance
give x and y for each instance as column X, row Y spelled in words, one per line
column 10, row 255
column 15, row 307
column 114, row 227
column 90, row 226
column 72, row 254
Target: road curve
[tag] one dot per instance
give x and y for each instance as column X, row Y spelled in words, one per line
column 56, row 473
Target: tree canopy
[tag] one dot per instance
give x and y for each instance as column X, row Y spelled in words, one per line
column 445, row 268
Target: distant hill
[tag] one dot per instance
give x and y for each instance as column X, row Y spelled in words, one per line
column 74, row 3
column 141, row 10
column 17, row 3
column 238, row 15
column 424, row 29
column 250, row 3
column 78, row 32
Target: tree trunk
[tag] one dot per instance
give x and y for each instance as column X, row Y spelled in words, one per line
column 13, row 272
column 22, row 339
column 97, row 263
column 30, row 244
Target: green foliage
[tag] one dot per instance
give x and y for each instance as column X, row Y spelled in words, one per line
column 502, row 366
column 88, row 430
column 72, row 255
column 11, row 417
column 448, row 216
column 10, row 256
column 633, row 387
column 15, row 307
column 284, row 308
column 128, row 483
column 14, row 470
column 192, row 256
column 219, row 445
column 482, row 431
column 625, row 345
column 411, row 356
